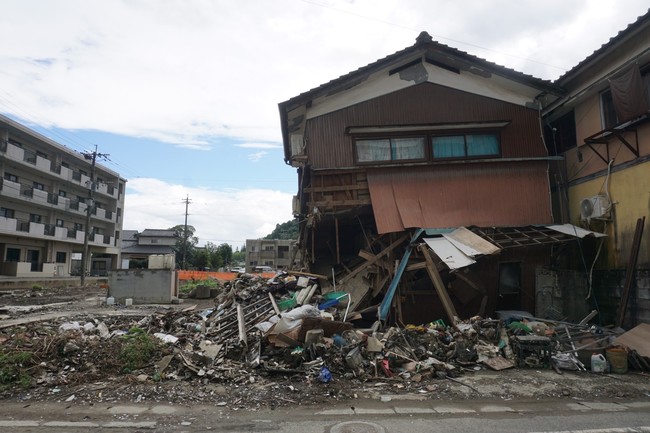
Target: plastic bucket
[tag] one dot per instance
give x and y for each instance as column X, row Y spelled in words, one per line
column 617, row 358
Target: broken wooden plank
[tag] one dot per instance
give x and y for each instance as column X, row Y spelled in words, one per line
column 370, row 262
column 441, row 290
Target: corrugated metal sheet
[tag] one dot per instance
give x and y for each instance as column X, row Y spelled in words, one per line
column 448, row 253
column 487, row 195
column 328, row 145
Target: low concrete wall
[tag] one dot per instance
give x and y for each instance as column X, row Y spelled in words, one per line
column 144, row 286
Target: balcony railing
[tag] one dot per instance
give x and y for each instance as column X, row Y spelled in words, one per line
column 49, row 229
column 23, row 226
column 76, row 175
column 27, row 191
column 52, row 198
column 29, row 157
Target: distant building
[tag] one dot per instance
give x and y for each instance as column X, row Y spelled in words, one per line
column 44, row 190
column 137, row 248
column 274, row 253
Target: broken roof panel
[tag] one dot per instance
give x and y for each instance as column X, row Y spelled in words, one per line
column 470, row 243
column 453, row 257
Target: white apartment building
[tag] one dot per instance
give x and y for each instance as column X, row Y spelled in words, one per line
column 44, row 207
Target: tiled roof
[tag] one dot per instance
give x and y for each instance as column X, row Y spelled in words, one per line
column 640, row 22
column 424, row 43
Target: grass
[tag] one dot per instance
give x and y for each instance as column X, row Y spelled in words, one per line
column 137, row 350
column 13, row 369
column 190, row 285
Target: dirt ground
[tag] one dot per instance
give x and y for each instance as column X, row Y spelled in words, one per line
column 88, row 373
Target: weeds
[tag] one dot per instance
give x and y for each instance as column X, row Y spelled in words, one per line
column 137, row 350
column 13, row 369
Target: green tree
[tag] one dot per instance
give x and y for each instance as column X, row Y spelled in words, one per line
column 239, row 255
column 287, row 230
column 185, row 245
column 225, row 252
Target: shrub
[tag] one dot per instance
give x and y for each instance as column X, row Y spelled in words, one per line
column 137, row 350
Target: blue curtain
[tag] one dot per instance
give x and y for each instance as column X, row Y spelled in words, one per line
column 482, row 144
column 449, row 146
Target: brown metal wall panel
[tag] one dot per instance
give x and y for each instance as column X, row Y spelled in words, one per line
column 490, row 194
column 328, row 146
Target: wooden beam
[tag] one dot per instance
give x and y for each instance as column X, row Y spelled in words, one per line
column 364, row 266
column 338, row 250
column 630, row 271
column 436, row 279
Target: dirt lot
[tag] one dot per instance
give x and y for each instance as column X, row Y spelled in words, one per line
column 77, row 365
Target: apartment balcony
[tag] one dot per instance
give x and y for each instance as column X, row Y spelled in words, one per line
column 267, row 254
column 9, row 188
column 8, row 224
column 77, row 235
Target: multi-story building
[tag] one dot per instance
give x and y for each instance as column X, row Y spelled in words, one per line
column 45, row 203
column 274, row 253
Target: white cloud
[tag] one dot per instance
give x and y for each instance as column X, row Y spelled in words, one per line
column 175, row 71
column 257, row 156
column 219, row 215
column 259, row 146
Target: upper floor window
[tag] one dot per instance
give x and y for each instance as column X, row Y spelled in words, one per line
column 59, row 222
column 39, row 186
column 608, row 115
column 41, row 154
column 465, row 146
column 390, row 149
column 7, row 213
column 35, row 218
column 11, row 177
column 62, row 193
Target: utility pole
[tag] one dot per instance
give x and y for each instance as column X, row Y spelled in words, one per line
column 92, row 157
column 184, row 258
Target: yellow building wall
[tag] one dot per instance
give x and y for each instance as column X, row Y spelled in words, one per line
column 629, row 191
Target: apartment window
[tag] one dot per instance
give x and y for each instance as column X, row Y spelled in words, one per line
column 390, row 149
column 608, row 115
column 41, row 154
column 81, row 199
column 61, row 256
column 13, row 255
column 15, row 143
column 154, row 241
column 283, row 252
column 268, row 248
column 7, row 213
column 39, row 186
column 59, row 222
column 465, row 146
column 62, row 193
column 65, row 164
column 35, row 218
column 83, row 173
column 78, row 226
column 11, row 177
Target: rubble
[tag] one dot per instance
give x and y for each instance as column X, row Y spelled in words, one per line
column 274, row 334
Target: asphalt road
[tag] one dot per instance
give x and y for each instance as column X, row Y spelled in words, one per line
column 364, row 416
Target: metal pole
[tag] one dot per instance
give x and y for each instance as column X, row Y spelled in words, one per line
column 84, row 257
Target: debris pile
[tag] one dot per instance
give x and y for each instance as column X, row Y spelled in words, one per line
column 285, row 327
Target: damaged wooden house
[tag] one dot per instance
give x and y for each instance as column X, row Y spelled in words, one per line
column 423, row 187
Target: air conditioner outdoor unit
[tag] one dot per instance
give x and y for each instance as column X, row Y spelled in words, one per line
column 597, row 206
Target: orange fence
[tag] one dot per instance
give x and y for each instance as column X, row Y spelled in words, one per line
column 204, row 275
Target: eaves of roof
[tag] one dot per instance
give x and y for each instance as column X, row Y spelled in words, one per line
column 621, row 36
column 424, row 45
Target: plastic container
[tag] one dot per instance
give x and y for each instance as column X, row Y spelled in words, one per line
column 110, row 300
column 598, row 363
column 128, row 302
column 617, row 357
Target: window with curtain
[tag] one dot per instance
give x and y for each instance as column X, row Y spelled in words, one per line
column 465, row 146
column 390, row 149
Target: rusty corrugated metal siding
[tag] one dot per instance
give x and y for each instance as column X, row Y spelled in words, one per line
column 328, row 146
column 490, row 194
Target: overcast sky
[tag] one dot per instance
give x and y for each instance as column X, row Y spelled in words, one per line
column 183, row 94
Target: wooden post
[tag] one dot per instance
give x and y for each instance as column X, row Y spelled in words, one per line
column 338, row 251
column 438, row 284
